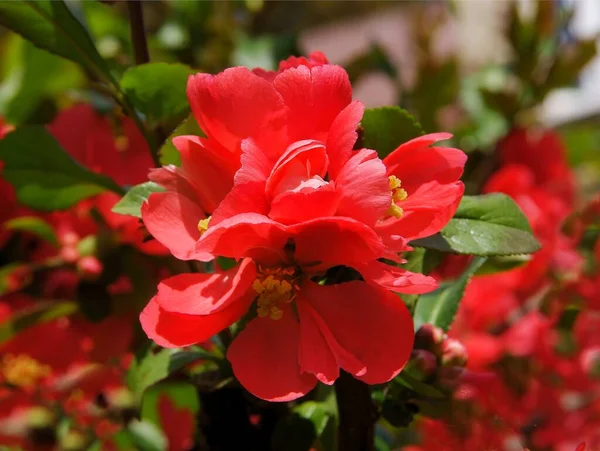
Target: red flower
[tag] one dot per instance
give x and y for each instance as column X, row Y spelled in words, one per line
column 302, row 202
column 177, row 424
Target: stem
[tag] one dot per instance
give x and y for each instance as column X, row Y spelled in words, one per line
column 357, row 414
column 141, row 56
column 138, row 32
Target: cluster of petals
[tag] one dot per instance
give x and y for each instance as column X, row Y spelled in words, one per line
column 290, row 198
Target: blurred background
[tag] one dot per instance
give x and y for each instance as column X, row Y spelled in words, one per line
column 491, row 72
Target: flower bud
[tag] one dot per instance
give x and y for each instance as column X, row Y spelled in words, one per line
column 424, row 362
column 429, row 338
column 590, row 361
column 69, row 253
column 90, row 268
column 450, row 377
column 454, row 353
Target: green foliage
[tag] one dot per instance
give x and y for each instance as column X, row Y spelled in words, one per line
column 51, row 25
column 34, row 225
column 44, row 175
column 146, row 436
column 131, row 203
column 503, row 263
column 168, row 152
column 440, row 306
column 158, row 90
column 487, row 225
column 151, row 367
column 386, row 128
column 303, row 427
column 40, row 313
column 23, row 89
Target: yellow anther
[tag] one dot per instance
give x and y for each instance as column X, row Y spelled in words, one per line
column 22, row 370
column 398, row 194
column 203, row 225
column 271, row 293
column 121, row 143
column 395, row 211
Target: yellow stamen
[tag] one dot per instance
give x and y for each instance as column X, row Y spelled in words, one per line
column 121, row 143
column 272, row 292
column 203, row 225
column 398, row 194
column 22, row 370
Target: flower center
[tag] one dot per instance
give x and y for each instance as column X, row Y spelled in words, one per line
column 22, row 370
column 275, row 287
column 398, row 194
column 203, row 225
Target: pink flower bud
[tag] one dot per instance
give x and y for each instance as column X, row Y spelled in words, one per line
column 429, row 337
column 89, row 267
column 590, row 361
column 69, row 253
column 424, row 362
column 454, row 353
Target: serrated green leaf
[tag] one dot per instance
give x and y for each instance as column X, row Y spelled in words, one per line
column 40, row 313
column 387, row 127
column 131, row 203
column 45, row 177
column 158, row 89
column 488, row 225
column 168, row 152
column 50, row 25
column 35, row 225
column 150, row 367
column 440, row 306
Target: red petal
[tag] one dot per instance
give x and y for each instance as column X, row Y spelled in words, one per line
column 294, row 207
column 342, row 136
column 264, row 358
column 364, row 188
column 243, row 235
column 426, row 211
column 397, row 279
column 371, row 324
column 173, row 330
column 314, row 97
column 335, row 241
column 210, row 173
column 319, row 352
column 203, row 294
column 416, row 163
column 300, row 161
column 236, row 104
column 173, row 220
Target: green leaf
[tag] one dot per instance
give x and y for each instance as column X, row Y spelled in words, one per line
column 150, row 367
column 43, row 174
column 131, row 203
column 388, row 127
column 491, row 224
column 503, row 263
column 168, row 152
column 40, row 313
column 50, row 25
column 440, row 306
column 302, row 428
column 24, row 90
column 35, row 225
column 146, row 436
column 158, row 89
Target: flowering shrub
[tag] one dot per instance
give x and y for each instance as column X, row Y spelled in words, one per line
column 206, row 256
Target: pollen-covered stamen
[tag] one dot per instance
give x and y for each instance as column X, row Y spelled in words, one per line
column 203, row 225
column 398, row 194
column 275, row 287
column 22, row 370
